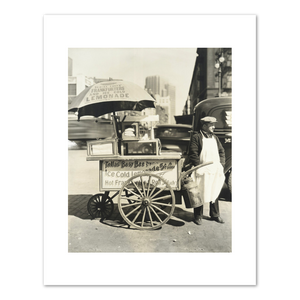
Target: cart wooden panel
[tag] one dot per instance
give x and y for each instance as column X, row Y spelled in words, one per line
column 114, row 171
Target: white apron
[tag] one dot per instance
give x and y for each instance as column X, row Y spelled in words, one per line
column 210, row 179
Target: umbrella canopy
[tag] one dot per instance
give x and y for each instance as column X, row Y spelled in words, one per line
column 111, row 96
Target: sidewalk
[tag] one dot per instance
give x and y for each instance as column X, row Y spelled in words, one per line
column 179, row 234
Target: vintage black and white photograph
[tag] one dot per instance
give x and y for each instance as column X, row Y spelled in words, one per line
column 141, row 168
column 149, row 150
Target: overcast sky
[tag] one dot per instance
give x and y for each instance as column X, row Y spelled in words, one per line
column 175, row 65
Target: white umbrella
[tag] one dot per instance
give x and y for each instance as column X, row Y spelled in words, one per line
column 109, row 97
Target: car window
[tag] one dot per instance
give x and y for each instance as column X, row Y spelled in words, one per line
column 172, row 132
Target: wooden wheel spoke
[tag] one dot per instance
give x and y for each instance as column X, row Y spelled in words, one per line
column 131, row 199
column 156, row 215
column 136, row 216
column 143, row 185
column 162, row 198
column 160, row 210
column 148, row 189
column 100, row 205
column 150, row 217
column 156, row 184
column 131, row 204
column 146, row 194
column 132, row 211
column 161, row 190
column 125, row 188
column 143, row 218
column 137, row 188
column 164, row 204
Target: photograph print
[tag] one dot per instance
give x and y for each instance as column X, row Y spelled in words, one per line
column 149, row 150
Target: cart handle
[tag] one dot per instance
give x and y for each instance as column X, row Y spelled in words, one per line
column 184, row 174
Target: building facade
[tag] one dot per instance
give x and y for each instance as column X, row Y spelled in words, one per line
column 165, row 94
column 212, row 76
column 77, row 83
column 156, row 84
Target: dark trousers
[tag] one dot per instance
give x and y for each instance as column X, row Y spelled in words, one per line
column 213, row 210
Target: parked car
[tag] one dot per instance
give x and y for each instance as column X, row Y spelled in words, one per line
column 173, row 137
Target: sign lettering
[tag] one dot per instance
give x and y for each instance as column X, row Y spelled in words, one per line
column 115, row 172
column 98, row 93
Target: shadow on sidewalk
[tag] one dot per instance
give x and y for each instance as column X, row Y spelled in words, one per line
column 77, row 206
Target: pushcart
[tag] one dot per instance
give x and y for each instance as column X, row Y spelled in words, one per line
column 145, row 181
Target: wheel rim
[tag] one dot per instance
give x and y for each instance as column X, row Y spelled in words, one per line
column 151, row 201
column 100, row 206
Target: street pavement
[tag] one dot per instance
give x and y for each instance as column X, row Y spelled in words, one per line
column 179, row 234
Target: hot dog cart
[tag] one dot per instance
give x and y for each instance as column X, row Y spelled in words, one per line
column 132, row 168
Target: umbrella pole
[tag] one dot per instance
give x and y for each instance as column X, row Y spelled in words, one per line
column 113, row 109
column 115, row 123
column 116, row 127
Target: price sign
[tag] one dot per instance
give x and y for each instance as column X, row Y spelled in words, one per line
column 115, row 172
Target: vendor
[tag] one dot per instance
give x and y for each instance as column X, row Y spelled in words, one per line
column 206, row 147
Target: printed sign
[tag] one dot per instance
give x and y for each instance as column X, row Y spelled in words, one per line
column 115, row 172
column 98, row 93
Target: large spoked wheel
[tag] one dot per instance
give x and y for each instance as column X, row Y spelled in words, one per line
column 100, row 206
column 151, row 201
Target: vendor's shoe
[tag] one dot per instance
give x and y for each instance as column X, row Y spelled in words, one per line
column 217, row 219
column 198, row 221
